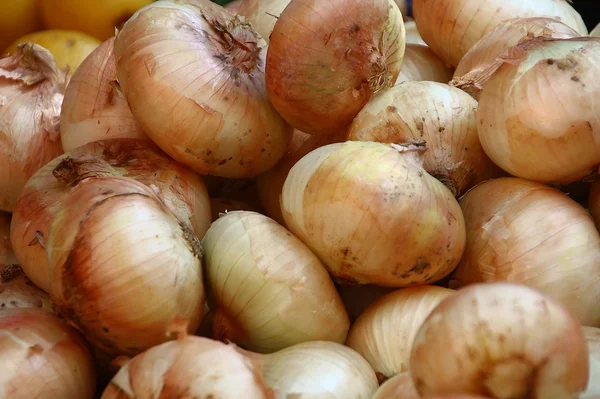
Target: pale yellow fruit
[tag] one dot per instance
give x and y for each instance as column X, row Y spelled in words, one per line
column 17, row 18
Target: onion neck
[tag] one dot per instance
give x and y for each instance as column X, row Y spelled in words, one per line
column 72, row 170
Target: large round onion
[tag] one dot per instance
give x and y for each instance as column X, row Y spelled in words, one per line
column 327, row 58
column 262, row 13
column 452, row 27
column 193, row 75
column 529, row 233
column 373, row 215
column 420, row 63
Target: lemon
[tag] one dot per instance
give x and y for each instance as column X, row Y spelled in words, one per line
column 17, row 18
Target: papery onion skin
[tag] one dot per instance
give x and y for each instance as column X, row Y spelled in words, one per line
column 354, row 204
column 17, row 291
column 500, row 340
column 193, row 75
column 179, row 188
column 594, row 202
column 452, row 27
column 323, row 66
column 592, row 336
column 111, row 243
column 94, row 108
column 270, row 291
column 441, row 115
column 400, row 386
column 535, row 117
column 31, row 93
column 262, row 14
column 41, row 357
column 420, row 63
column 384, row 333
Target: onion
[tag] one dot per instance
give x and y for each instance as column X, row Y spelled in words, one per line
column 326, row 60
column 535, row 116
column 221, row 206
column 452, row 27
column 270, row 291
column 398, row 387
column 262, row 14
column 593, row 202
column 193, row 76
column 31, row 93
column 592, row 336
column 385, row 332
column 412, row 34
column 500, row 340
column 357, row 298
column 420, row 63
column 94, row 107
column 442, row 116
column 525, row 232
column 41, row 357
column 373, row 215
column 180, row 189
column 596, row 31
column 17, row 291
column 6, row 253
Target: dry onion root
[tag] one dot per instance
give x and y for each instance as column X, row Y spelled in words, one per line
column 270, row 291
column 420, row 63
column 592, row 336
column 179, row 188
column 193, row 74
column 41, row 357
column 324, row 63
column 503, row 341
column 441, row 115
column 262, row 14
column 17, row 291
column 94, row 108
column 31, row 93
column 452, row 27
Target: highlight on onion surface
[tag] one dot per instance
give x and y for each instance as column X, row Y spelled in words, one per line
column 420, row 63
column 17, row 291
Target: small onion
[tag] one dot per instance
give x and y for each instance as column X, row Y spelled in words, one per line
column 398, row 387
column 6, row 253
column 17, row 291
column 524, row 232
column 420, row 63
column 43, row 358
column 270, row 291
column 593, row 202
column 193, row 74
column 592, row 336
column 219, row 206
column 262, row 14
column 441, row 115
column 412, row 33
column 452, row 27
column 94, row 107
column 535, row 116
column 326, row 61
column 31, row 93
column 500, row 340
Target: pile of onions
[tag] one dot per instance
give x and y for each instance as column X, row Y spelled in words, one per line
column 420, row 63
column 452, row 27
column 193, row 75
column 535, row 116
column 500, row 340
column 324, row 64
column 41, row 357
column 592, row 336
column 529, row 233
column 373, row 215
column 17, row 291
column 179, row 188
column 441, row 115
column 262, row 14
column 31, row 93
column 593, row 202
column 94, row 108
column 400, row 386
column 270, row 291
column 385, row 332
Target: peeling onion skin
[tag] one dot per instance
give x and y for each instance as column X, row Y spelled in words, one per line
column 111, row 243
column 41, row 357
column 17, row 291
column 262, row 14
column 385, row 332
column 420, row 63
column 592, row 336
column 441, row 115
column 182, row 190
column 399, row 386
column 594, row 202
column 31, row 93
column 535, row 117
column 270, row 291
column 338, row 59
column 354, row 204
column 201, row 99
column 514, row 342
column 452, row 27
column 525, row 232
column 94, row 108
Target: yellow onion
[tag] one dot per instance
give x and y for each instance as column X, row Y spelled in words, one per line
column 594, row 202
column 441, row 115
column 398, row 387
column 179, row 188
column 592, row 336
column 524, row 232
column 193, row 74
column 412, row 34
column 17, row 291
column 324, row 63
column 6, row 253
column 262, row 14
column 503, row 341
column 94, row 108
column 452, row 27
column 31, row 93
column 484, row 54
column 384, row 333
column 219, row 206
column 373, row 215
column 41, row 357
column 535, row 116
column 270, row 291
column 420, row 63
column 357, row 298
